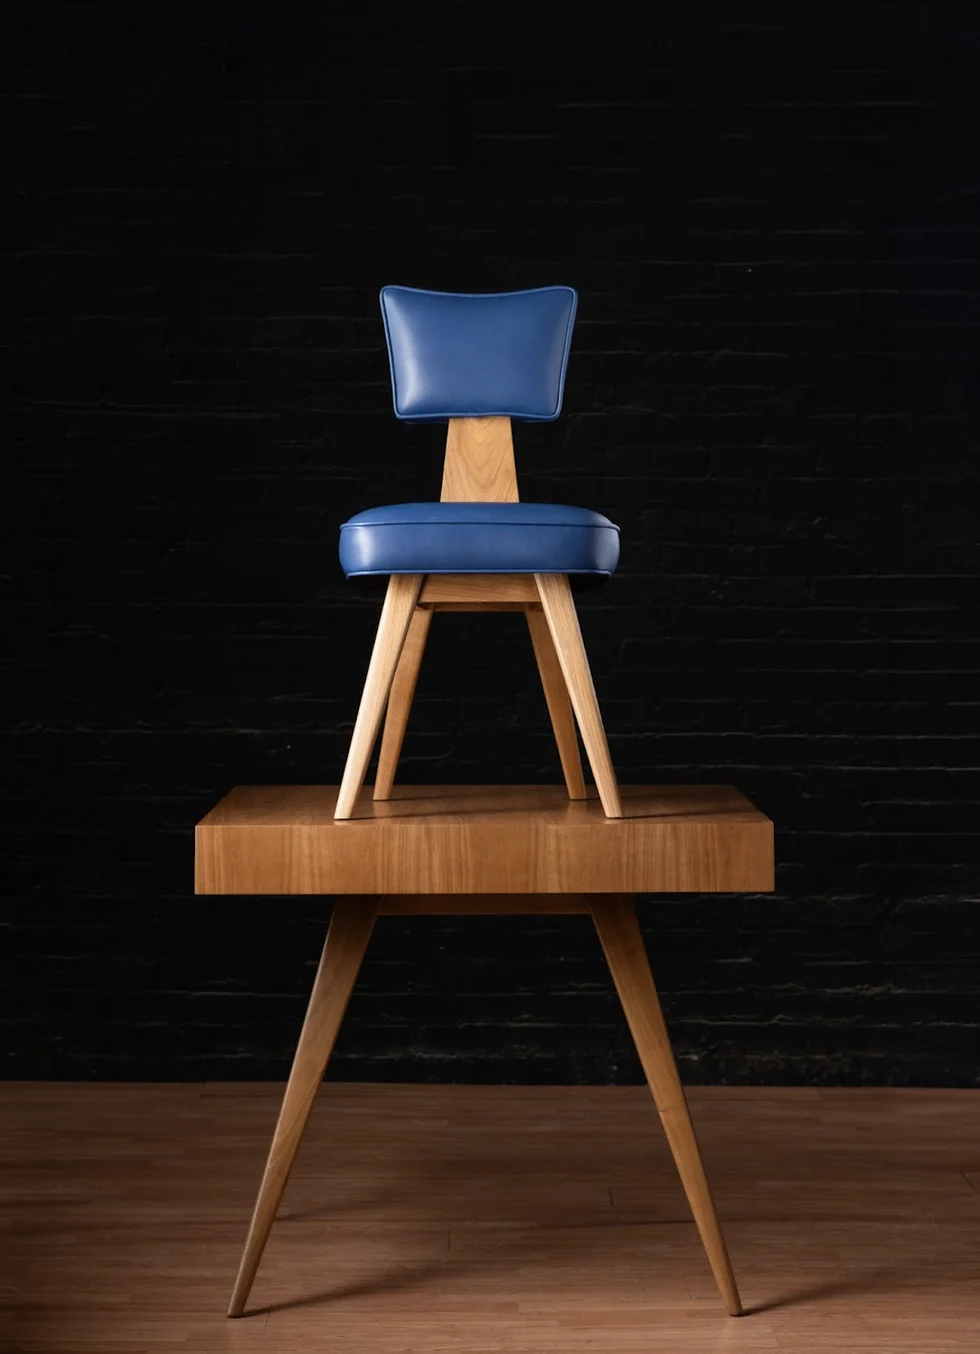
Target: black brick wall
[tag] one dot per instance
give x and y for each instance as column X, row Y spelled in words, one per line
column 773, row 226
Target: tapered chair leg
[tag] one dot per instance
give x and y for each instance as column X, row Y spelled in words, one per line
column 396, row 615
column 400, row 701
column 562, row 618
column 622, row 941
column 347, row 938
column 559, row 706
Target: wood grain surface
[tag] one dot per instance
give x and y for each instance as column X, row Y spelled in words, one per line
column 562, row 620
column 484, row 839
column 622, row 943
column 558, row 702
column 343, row 951
column 476, row 591
column 619, row 933
column 479, row 463
column 396, row 617
column 470, row 1220
column 400, row 701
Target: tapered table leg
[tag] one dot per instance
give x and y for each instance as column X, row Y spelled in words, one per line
column 622, row 942
column 347, row 938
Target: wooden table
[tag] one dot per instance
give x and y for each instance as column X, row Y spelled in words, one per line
column 484, row 849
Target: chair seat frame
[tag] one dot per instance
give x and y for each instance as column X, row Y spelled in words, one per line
column 479, row 468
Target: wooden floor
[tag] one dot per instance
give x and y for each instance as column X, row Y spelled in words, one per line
column 473, row 1219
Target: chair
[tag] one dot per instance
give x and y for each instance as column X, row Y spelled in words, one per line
column 479, row 361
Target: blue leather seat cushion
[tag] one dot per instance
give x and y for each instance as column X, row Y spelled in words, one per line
column 478, row 538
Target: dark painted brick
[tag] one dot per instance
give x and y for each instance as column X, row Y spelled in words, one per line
column 771, row 219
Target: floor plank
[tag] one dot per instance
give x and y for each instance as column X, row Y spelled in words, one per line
column 478, row 1219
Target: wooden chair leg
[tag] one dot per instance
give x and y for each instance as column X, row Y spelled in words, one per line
column 622, row 941
column 396, row 615
column 347, row 938
column 559, row 706
column 562, row 618
column 400, row 701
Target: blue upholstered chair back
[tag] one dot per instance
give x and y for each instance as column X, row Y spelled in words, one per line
column 471, row 355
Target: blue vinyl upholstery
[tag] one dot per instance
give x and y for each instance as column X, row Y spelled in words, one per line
column 466, row 355
column 479, row 538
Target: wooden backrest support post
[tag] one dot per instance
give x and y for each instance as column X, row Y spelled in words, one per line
column 479, row 465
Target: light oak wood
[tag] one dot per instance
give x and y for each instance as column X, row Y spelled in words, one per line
column 559, row 706
column 347, row 938
column 619, row 933
column 479, row 1219
column 479, row 465
column 622, row 944
column 562, row 618
column 482, row 904
column 478, row 588
column 484, row 839
column 400, row 702
column 477, row 606
column 396, row 616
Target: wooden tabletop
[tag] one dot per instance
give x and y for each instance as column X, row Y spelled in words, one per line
column 474, row 839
